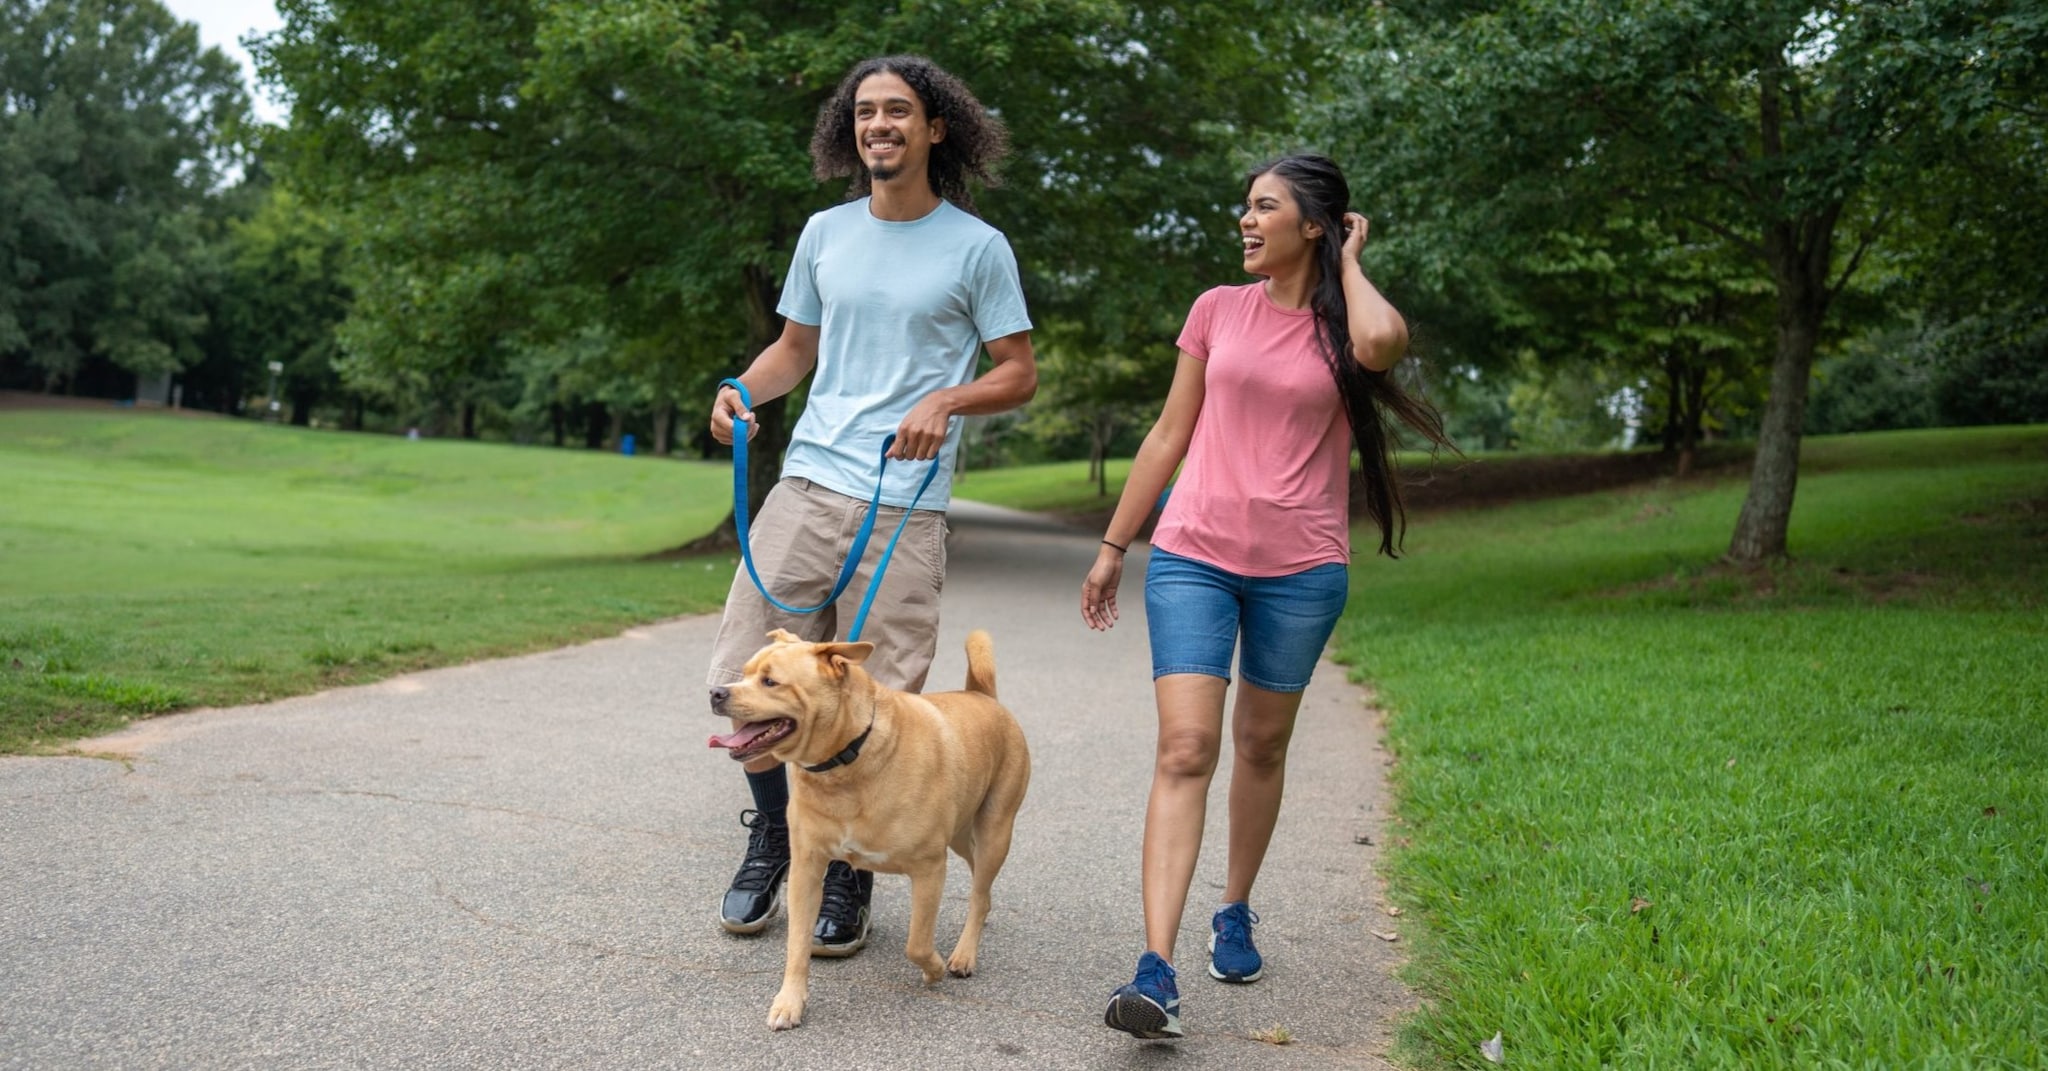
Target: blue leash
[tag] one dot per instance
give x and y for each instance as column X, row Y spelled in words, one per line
column 860, row 539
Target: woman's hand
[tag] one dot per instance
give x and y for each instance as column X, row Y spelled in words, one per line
column 1098, row 592
column 1355, row 227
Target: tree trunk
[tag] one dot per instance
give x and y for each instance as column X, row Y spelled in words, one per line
column 664, row 428
column 593, row 425
column 1799, row 253
column 559, row 421
column 469, row 420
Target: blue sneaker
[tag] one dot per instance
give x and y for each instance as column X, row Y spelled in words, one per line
column 1149, row 1007
column 1231, row 955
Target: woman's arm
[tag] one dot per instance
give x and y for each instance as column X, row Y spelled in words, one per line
column 1379, row 336
column 1165, row 446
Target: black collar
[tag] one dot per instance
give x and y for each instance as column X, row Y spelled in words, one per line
column 847, row 756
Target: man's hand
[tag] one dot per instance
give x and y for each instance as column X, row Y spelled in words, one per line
column 727, row 408
column 923, row 432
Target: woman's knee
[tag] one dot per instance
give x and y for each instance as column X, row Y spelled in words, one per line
column 1264, row 750
column 1188, row 753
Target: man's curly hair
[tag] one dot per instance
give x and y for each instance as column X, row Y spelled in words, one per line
column 975, row 143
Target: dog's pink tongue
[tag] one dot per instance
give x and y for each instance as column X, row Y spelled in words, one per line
column 740, row 737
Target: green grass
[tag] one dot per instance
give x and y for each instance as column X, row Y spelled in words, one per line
column 157, row 562
column 1056, row 487
column 1658, row 813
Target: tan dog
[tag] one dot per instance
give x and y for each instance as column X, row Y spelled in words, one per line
column 927, row 773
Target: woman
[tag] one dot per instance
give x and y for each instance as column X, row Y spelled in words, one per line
column 1275, row 382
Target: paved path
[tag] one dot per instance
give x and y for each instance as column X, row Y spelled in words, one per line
column 514, row 864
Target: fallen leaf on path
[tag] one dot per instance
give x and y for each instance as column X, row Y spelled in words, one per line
column 1386, row 935
column 1276, row 1035
column 1491, row 1049
column 1636, row 904
column 1394, row 910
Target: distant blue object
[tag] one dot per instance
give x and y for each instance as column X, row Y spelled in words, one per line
column 626, row 445
column 1163, row 496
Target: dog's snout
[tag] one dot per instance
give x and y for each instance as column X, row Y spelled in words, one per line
column 718, row 697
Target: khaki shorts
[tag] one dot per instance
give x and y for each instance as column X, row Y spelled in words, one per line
column 800, row 539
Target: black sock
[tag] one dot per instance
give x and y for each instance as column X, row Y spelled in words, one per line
column 771, row 793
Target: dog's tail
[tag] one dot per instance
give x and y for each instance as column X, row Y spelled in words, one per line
column 981, row 663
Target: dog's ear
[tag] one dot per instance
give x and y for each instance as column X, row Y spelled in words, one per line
column 783, row 635
column 841, row 655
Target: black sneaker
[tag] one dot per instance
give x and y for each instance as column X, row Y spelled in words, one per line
column 757, row 889
column 842, row 926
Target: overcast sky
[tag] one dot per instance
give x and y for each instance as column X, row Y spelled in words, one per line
column 222, row 24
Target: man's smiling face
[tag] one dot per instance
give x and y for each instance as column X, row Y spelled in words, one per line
column 890, row 128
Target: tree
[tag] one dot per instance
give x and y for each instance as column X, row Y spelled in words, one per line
column 1785, row 130
column 520, row 172
column 115, row 130
column 284, row 299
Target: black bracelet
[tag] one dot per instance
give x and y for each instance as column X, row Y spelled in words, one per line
column 1120, row 550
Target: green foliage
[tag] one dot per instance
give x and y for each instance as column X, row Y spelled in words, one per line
column 1764, row 134
column 560, row 202
column 1994, row 371
column 1659, row 812
column 115, row 127
column 158, row 562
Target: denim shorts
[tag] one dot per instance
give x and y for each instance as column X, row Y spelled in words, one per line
column 1196, row 613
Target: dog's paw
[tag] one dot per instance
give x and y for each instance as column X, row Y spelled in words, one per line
column 787, row 1012
column 961, row 965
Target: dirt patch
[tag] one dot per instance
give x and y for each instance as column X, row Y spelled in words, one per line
column 1725, row 581
column 1450, row 483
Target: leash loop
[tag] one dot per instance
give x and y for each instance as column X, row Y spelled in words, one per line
column 741, row 429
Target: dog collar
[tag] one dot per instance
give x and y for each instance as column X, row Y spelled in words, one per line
column 851, row 753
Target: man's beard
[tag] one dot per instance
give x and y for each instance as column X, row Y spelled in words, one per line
column 884, row 173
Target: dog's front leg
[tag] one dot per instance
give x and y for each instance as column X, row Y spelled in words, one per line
column 927, row 885
column 805, row 893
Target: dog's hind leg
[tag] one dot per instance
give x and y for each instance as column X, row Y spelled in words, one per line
column 927, row 885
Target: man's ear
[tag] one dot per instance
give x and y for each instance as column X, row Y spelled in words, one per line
column 938, row 130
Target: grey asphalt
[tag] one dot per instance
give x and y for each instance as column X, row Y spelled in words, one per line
column 515, row 864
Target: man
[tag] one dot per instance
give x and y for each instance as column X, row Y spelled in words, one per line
column 888, row 302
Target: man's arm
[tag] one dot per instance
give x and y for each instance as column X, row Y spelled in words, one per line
column 1009, row 384
column 774, row 373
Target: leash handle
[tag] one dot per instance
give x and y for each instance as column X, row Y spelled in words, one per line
column 741, row 429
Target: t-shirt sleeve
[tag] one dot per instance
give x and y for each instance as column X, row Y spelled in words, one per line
column 800, row 301
column 1194, row 335
column 998, row 292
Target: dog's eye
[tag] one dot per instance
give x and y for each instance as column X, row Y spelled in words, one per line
column 768, row 682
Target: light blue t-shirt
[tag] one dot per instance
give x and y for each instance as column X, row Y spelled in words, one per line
column 902, row 310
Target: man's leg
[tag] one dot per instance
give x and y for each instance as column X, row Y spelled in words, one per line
column 799, row 567
column 903, row 624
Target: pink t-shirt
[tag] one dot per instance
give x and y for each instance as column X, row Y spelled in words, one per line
column 1265, row 489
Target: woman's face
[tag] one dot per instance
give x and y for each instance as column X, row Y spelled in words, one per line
column 1276, row 239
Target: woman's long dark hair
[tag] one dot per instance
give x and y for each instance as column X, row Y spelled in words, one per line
column 1368, row 396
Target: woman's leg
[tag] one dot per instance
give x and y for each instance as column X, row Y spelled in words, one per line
column 1261, row 724
column 1287, row 622
column 1190, row 739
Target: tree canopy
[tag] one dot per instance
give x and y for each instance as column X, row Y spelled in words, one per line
column 116, row 130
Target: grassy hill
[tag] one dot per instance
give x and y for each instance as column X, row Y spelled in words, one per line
column 156, row 561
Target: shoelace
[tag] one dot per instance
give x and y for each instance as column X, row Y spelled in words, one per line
column 1156, row 975
column 762, row 861
column 1236, row 927
column 842, row 893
